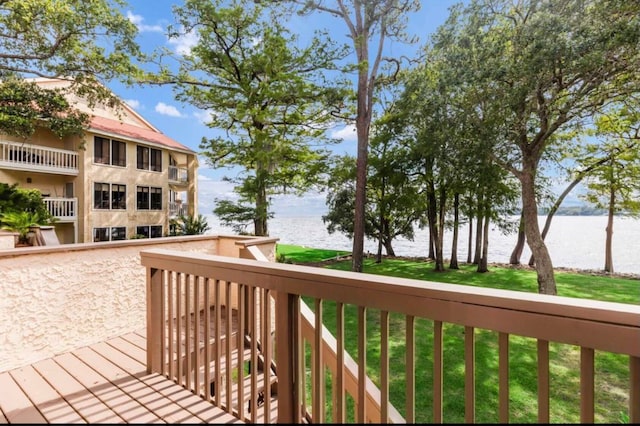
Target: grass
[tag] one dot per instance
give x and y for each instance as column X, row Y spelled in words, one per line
column 612, row 375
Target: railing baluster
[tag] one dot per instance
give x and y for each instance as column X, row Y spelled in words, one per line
column 187, row 328
column 217, row 374
column 242, row 303
column 207, row 339
column 384, row 366
column 196, row 334
column 179, row 330
column 503, row 367
column 267, row 347
column 543, row 381
column 410, row 368
column 587, row 372
column 437, row 371
column 634, row 389
column 469, row 372
column 318, row 367
column 340, row 390
column 229, row 338
column 253, row 394
column 171, row 372
column 362, row 365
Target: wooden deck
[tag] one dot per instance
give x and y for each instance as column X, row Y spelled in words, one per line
column 103, row 383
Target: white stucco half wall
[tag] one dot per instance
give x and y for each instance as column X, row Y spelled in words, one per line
column 56, row 299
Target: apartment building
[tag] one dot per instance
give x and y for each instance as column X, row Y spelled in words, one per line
column 122, row 179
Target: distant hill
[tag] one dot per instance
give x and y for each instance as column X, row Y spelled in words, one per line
column 576, row 210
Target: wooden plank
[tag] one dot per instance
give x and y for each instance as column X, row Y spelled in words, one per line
column 143, row 390
column 116, row 350
column 87, row 404
column 48, row 401
column 18, row 408
column 108, row 391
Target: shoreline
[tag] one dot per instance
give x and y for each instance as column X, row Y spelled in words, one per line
column 593, row 272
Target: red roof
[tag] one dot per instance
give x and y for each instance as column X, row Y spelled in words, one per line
column 135, row 132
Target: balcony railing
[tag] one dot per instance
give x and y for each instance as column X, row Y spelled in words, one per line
column 177, row 209
column 63, row 209
column 27, row 157
column 178, row 175
column 182, row 288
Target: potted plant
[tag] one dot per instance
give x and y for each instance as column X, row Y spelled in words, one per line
column 20, row 222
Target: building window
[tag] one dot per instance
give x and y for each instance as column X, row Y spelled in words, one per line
column 149, row 159
column 101, row 195
column 153, row 231
column 149, row 198
column 109, row 234
column 109, row 196
column 107, row 151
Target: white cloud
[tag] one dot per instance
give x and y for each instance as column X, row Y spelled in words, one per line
column 204, row 116
column 137, row 21
column 169, row 110
column 347, row 133
column 184, row 43
column 133, row 103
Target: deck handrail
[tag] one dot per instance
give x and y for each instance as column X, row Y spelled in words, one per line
column 586, row 324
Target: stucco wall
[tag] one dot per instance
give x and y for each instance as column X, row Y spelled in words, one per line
column 55, row 299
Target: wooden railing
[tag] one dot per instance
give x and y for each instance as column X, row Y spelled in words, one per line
column 382, row 305
column 178, row 174
column 23, row 156
column 63, row 209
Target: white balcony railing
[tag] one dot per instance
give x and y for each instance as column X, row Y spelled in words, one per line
column 63, row 209
column 23, row 156
column 178, row 174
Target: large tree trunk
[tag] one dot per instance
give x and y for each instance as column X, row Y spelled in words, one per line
column 262, row 207
column 453, row 264
column 483, row 265
column 478, row 243
column 608, row 254
column 517, row 250
column 470, row 242
column 357, row 252
column 434, row 224
column 544, row 266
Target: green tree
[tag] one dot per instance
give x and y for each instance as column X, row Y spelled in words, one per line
column 14, row 199
column 189, row 225
column 84, row 42
column 270, row 97
column 25, row 105
column 370, row 25
column 549, row 66
column 615, row 185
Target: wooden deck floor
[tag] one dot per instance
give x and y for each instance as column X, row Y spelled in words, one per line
column 103, row 383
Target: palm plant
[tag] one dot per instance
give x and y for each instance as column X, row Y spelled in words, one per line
column 190, row 225
column 21, row 221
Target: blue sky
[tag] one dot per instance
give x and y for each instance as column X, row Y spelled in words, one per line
column 185, row 123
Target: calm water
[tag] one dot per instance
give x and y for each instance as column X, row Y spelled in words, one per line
column 573, row 241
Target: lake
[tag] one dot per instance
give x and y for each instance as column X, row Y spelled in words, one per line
column 573, row 241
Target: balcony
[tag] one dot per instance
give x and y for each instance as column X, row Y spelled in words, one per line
column 37, row 158
column 178, row 208
column 62, row 209
column 214, row 304
column 178, row 175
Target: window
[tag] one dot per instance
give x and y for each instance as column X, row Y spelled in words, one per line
column 109, row 234
column 153, row 231
column 101, row 195
column 107, row 151
column 109, row 196
column 149, row 198
column 118, row 197
column 149, row 159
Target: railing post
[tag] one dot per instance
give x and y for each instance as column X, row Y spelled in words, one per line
column 288, row 355
column 154, row 320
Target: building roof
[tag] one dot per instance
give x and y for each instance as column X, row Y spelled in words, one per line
column 115, row 128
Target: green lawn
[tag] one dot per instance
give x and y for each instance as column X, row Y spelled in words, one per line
column 612, row 378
